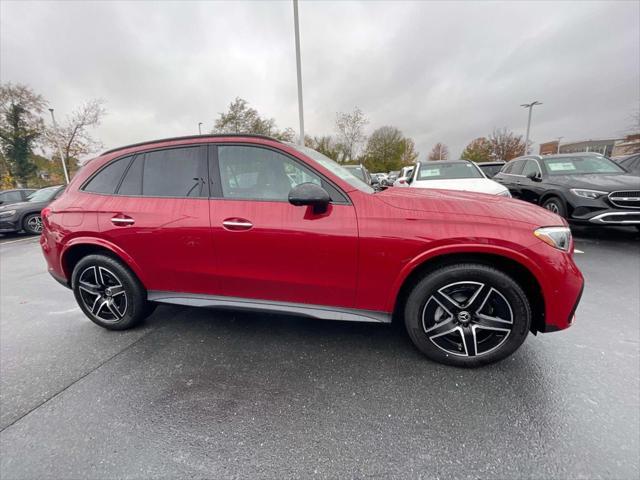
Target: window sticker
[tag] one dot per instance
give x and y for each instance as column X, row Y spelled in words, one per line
column 561, row 166
column 432, row 172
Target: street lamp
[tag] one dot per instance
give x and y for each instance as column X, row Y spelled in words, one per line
column 296, row 29
column 559, row 138
column 199, row 128
column 64, row 165
column 530, row 107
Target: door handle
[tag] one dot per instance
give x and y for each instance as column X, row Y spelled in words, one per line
column 237, row 224
column 119, row 221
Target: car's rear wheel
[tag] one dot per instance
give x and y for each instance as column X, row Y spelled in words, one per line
column 555, row 205
column 467, row 315
column 109, row 293
column 32, row 224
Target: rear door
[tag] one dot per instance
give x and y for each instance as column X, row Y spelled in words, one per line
column 530, row 190
column 159, row 215
column 265, row 248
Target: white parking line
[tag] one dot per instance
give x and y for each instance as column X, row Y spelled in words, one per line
column 19, row 240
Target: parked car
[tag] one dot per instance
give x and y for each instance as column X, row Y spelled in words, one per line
column 490, row 169
column 631, row 163
column 584, row 188
column 470, row 276
column 26, row 215
column 361, row 172
column 453, row 175
column 7, row 197
column 391, row 178
column 404, row 176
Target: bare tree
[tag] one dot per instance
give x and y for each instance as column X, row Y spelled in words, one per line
column 72, row 135
column 350, row 129
column 439, row 152
column 506, row 145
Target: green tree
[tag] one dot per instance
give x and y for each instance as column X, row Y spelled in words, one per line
column 388, row 149
column 479, row 150
column 241, row 118
column 20, row 127
column 326, row 145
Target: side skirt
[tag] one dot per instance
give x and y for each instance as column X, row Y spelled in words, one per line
column 314, row 311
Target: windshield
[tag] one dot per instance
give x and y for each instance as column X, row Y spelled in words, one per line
column 445, row 171
column 338, row 170
column 43, row 194
column 580, row 165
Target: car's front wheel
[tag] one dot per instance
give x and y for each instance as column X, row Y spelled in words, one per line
column 467, row 315
column 109, row 293
column 555, row 205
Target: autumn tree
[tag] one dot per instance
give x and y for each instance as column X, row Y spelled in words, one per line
column 73, row 134
column 350, row 129
column 439, row 152
column 506, row 145
column 20, row 127
column 388, row 149
column 479, row 150
column 241, row 118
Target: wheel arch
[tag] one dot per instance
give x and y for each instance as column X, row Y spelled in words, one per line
column 79, row 248
column 505, row 263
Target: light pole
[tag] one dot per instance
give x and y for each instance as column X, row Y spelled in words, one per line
column 559, row 138
column 64, row 165
column 199, row 128
column 299, row 71
column 530, row 107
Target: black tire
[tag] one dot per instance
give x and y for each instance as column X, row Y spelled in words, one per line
column 555, row 205
column 109, row 293
column 32, row 224
column 427, row 321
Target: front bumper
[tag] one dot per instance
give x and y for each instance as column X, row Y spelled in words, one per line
column 616, row 217
column 9, row 225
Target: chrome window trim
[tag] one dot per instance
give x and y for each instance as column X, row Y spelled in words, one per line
column 322, row 312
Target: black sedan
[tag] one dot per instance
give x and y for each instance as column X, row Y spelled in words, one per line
column 584, row 188
column 26, row 215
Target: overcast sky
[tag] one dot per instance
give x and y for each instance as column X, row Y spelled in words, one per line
column 439, row 71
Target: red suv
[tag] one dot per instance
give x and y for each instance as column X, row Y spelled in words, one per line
column 250, row 222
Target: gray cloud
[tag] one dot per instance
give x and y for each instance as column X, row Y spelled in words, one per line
column 440, row 71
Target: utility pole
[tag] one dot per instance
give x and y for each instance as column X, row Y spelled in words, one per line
column 530, row 107
column 64, row 164
column 199, row 128
column 299, row 71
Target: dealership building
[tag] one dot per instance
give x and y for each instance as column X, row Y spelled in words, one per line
column 611, row 147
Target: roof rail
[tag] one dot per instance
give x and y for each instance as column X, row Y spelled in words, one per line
column 190, row 137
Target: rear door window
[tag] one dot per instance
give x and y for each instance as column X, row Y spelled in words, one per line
column 107, row 180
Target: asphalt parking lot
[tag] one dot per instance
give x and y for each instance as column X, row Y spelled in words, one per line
column 203, row 393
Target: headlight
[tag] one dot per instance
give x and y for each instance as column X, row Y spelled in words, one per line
column 581, row 192
column 558, row 237
column 7, row 213
column 506, row 193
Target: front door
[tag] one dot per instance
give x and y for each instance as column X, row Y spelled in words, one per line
column 264, row 247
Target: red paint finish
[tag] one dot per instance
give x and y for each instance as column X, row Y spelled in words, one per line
column 355, row 255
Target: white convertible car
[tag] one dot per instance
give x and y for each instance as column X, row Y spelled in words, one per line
column 451, row 175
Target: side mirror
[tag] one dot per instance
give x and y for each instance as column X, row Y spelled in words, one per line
column 310, row 194
column 534, row 176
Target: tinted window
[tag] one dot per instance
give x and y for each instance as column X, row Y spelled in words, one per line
column 254, row 173
column 107, row 179
column 178, row 172
column 530, row 166
column 10, row 197
column 490, row 170
column 514, row 167
column 132, row 181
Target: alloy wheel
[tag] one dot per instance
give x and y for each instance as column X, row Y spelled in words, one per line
column 102, row 293
column 552, row 207
column 467, row 318
column 35, row 224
